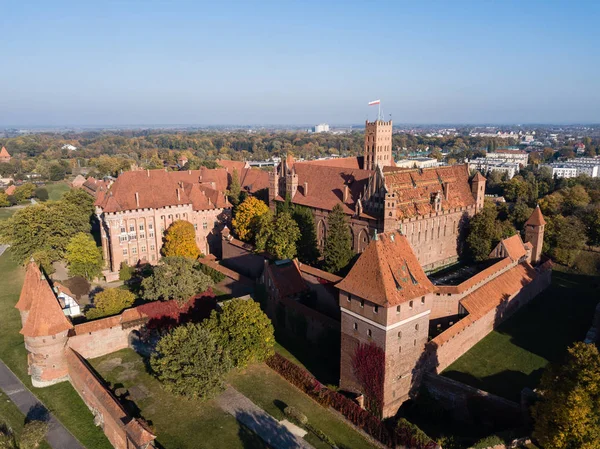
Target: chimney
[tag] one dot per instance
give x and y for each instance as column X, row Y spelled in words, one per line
column 305, row 188
column 178, row 195
column 148, row 171
column 189, row 172
column 137, row 200
column 346, row 192
column 446, row 186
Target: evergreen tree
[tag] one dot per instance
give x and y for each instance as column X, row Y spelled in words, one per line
column 234, row 188
column 338, row 244
column 308, row 249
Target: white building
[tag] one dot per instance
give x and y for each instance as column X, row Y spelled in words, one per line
column 418, row 162
column 573, row 167
column 562, row 170
column 518, row 156
column 67, row 300
column 69, row 147
column 321, row 128
column 486, row 165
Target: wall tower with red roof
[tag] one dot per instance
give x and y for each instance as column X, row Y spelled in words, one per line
column 534, row 234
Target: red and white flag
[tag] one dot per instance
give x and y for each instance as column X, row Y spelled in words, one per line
column 372, row 103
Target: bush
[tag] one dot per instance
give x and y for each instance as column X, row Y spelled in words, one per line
column 296, row 415
column 215, row 275
column 110, row 302
column 125, row 272
column 488, row 441
column 320, row 435
column 41, row 194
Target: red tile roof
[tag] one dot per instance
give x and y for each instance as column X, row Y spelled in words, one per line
column 10, row 190
column 95, row 186
column 318, row 273
column 45, row 316
column 488, row 297
column 251, row 179
column 514, row 246
column 158, row 188
column 415, row 188
column 326, row 186
column 355, row 163
column 387, row 273
column 536, row 219
column 475, row 279
column 478, row 177
column 287, row 279
column 4, row 153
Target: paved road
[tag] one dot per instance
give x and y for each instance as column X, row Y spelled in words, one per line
column 259, row 421
column 58, row 437
column 3, row 248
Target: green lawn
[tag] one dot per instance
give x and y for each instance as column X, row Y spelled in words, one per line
column 271, row 392
column 56, row 189
column 61, row 399
column 178, row 423
column 6, row 213
column 514, row 356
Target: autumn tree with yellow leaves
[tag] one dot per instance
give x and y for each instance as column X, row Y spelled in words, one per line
column 180, row 240
column 247, row 218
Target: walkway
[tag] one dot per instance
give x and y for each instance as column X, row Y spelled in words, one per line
column 259, row 421
column 3, row 248
column 58, row 437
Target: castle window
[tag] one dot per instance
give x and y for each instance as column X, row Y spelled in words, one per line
column 150, row 226
column 369, row 333
column 362, row 303
column 141, row 227
column 399, row 348
column 151, row 235
column 397, row 309
column 355, row 326
column 422, row 299
column 349, row 298
column 375, row 309
column 152, row 247
column 416, row 327
column 399, row 334
column 415, row 343
column 410, row 304
column 153, row 257
column 143, row 249
column 124, row 251
column 195, row 226
column 142, row 236
column 205, row 226
column 131, row 228
column 134, row 250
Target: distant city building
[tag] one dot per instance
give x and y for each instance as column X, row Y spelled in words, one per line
column 486, row 165
column 321, row 128
column 418, row 162
column 579, row 148
column 518, row 156
column 69, row 147
column 574, row 167
column 4, row 156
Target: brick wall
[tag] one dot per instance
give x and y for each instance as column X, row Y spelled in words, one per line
column 100, row 341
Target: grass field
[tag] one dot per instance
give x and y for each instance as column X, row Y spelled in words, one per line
column 56, row 189
column 191, row 424
column 61, row 399
column 6, row 213
column 10, row 416
column 514, row 356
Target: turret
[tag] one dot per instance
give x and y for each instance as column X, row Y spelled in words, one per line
column 45, row 329
column 273, row 187
column 478, row 190
column 378, row 144
column 534, row 234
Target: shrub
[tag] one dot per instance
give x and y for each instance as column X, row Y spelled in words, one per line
column 488, row 441
column 33, row 434
column 125, row 272
column 320, row 435
column 296, row 415
column 215, row 275
column 41, row 194
column 110, row 302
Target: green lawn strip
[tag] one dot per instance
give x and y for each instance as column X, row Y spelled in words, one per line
column 270, row 391
column 56, row 189
column 61, row 399
column 178, row 423
column 6, row 213
column 11, row 416
column 514, row 355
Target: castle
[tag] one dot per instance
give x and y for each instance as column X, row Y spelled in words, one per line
column 430, row 206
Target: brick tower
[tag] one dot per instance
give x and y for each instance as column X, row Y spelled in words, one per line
column 478, row 190
column 378, row 144
column 534, row 234
column 385, row 301
column 45, row 328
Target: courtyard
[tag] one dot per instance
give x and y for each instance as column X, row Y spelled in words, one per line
column 514, row 356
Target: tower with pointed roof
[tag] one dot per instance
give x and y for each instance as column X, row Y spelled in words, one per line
column 385, row 303
column 4, row 156
column 378, row 144
column 45, row 329
column 534, row 234
column 478, row 190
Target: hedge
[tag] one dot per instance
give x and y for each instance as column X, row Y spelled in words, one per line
column 410, row 436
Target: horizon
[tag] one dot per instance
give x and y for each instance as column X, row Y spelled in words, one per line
column 461, row 63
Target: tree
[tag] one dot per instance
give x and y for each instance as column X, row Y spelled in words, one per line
column 592, row 222
column 234, row 188
column 575, row 197
column 175, row 278
column 277, row 235
column 308, row 250
column 244, row 329
column 80, row 199
column 46, row 227
column 485, row 231
column 190, row 362
column 110, row 302
column 84, row 257
column 563, row 239
column 568, row 414
column 4, row 202
column 125, row 272
column 180, row 240
column 246, row 218
column 56, row 172
column 42, row 194
column 33, row 434
column 24, row 192
column 338, row 244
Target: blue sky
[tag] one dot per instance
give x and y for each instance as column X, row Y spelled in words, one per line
column 298, row 62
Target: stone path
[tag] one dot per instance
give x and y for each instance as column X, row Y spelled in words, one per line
column 58, row 436
column 259, row 421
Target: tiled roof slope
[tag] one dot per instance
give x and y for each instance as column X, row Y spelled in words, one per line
column 251, row 179
column 287, row 279
column 489, row 296
column 355, row 163
column 10, row 190
column 387, row 273
column 514, row 246
column 326, row 186
column 536, row 218
column 414, row 188
column 159, row 188
column 45, row 314
column 94, row 186
column 4, row 152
